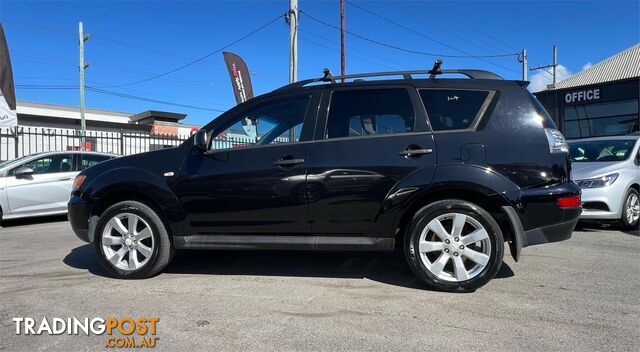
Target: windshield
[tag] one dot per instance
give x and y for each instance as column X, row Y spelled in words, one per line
column 595, row 151
column 6, row 163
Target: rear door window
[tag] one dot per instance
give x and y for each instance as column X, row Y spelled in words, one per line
column 88, row 160
column 451, row 109
column 370, row 112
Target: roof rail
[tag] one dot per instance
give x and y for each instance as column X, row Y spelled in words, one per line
column 435, row 71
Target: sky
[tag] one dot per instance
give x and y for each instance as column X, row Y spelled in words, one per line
column 134, row 41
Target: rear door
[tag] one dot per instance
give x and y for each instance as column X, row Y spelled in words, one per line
column 46, row 190
column 368, row 140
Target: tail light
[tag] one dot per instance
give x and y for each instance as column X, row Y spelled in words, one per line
column 557, row 143
column 569, row 202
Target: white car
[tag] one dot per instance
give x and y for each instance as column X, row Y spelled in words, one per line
column 40, row 184
column 608, row 171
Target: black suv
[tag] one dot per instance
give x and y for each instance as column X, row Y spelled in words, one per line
column 447, row 169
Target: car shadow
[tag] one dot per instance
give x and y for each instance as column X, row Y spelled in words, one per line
column 385, row 267
column 596, row 227
column 33, row 221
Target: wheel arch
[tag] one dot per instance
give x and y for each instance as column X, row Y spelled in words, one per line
column 159, row 197
column 490, row 201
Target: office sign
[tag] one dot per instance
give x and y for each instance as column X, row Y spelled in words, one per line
column 582, row 96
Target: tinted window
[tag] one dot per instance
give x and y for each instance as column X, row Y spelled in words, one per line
column 271, row 123
column 370, row 112
column 601, row 119
column 450, row 109
column 88, row 160
column 49, row 164
column 592, row 151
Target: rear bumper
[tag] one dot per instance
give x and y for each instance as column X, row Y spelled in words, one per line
column 78, row 216
column 537, row 218
column 551, row 233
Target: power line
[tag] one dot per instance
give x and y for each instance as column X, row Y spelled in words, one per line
column 116, row 94
column 466, row 55
column 135, row 97
column 391, row 46
column 368, row 54
column 201, row 58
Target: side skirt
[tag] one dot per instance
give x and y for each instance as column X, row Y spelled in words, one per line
column 271, row 242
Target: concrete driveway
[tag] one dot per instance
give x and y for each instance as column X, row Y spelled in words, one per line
column 582, row 294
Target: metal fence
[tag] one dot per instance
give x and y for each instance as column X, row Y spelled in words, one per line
column 21, row 141
column 15, row 143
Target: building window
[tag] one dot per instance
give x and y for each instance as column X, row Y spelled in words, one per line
column 601, row 119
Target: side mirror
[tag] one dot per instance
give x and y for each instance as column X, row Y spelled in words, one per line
column 200, row 140
column 23, row 172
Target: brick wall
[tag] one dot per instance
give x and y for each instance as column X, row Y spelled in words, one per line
column 164, row 129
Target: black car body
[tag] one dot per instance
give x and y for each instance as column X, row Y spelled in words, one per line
column 369, row 156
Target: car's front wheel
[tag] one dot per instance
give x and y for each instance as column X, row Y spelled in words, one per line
column 630, row 210
column 454, row 245
column 132, row 241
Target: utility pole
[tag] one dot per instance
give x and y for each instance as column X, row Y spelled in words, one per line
column 82, row 38
column 553, row 66
column 523, row 60
column 293, row 41
column 555, row 63
column 343, row 65
column 293, row 51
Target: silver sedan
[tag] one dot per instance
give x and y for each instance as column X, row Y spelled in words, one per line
column 40, row 184
column 608, row 171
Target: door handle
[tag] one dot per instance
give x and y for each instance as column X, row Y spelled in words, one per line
column 413, row 152
column 288, row 162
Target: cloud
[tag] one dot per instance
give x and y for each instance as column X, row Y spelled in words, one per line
column 540, row 79
column 587, row 65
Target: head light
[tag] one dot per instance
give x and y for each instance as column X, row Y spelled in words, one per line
column 77, row 183
column 598, row 181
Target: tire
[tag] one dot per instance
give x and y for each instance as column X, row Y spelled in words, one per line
column 630, row 221
column 153, row 251
column 426, row 260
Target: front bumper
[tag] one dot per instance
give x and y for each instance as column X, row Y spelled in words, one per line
column 78, row 216
column 610, row 196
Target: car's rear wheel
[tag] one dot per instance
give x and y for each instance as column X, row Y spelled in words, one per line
column 132, row 241
column 630, row 210
column 454, row 245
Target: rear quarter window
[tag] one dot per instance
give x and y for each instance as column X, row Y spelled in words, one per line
column 451, row 109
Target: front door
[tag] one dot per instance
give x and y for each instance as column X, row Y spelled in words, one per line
column 252, row 180
column 368, row 141
column 46, row 189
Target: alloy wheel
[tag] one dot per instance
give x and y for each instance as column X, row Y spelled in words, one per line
column 633, row 208
column 456, row 255
column 127, row 241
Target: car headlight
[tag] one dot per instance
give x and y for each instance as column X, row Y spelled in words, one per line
column 77, row 183
column 597, row 182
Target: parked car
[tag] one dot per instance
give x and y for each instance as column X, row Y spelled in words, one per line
column 448, row 169
column 40, row 184
column 608, row 171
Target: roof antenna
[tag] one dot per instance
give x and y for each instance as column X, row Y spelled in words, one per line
column 436, row 69
column 328, row 77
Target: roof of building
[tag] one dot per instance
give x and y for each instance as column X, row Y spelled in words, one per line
column 72, row 112
column 623, row 65
column 158, row 115
column 72, row 108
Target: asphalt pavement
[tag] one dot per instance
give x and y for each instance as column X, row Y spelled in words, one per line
column 578, row 295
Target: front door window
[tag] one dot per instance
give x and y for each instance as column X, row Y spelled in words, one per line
column 271, row 123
